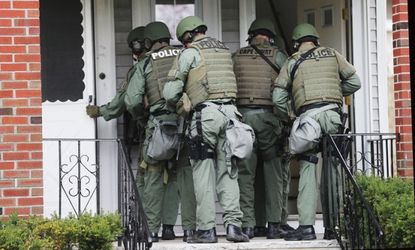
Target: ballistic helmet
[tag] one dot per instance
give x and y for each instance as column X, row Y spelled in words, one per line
column 304, row 30
column 188, row 24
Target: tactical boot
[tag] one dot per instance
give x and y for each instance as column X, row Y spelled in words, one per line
column 260, row 231
column 167, row 233
column 249, row 231
column 273, row 230
column 188, row 235
column 329, row 234
column 234, row 233
column 283, row 230
column 204, row 236
column 154, row 237
column 301, row 233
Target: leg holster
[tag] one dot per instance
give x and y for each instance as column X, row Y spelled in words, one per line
column 198, row 149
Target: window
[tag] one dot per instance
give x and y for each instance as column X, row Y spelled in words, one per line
column 327, row 16
column 171, row 12
column 310, row 16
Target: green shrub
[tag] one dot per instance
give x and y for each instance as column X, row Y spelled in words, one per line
column 35, row 233
column 393, row 203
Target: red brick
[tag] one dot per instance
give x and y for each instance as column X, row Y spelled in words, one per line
column 34, row 67
column 30, row 183
column 5, row 22
column 34, row 49
column 401, row 69
column 26, row 22
column 409, row 172
column 15, row 120
column 29, row 164
column 5, row 40
column 400, row 52
column 6, row 147
column 6, row 129
column 28, row 111
column 29, row 146
column 36, row 155
column 405, row 129
column 28, row 76
column 404, row 112
column 26, row 4
column 14, row 67
column 12, row 49
column 405, row 146
column 396, row 35
column 27, row 93
column 6, row 111
column 36, row 174
column 37, row 210
column 5, row 76
column 36, row 192
column 6, row 183
column 27, row 58
column 6, row 165
column 400, row 17
column 27, row 40
column 18, row 210
column 16, row 174
column 397, row 2
column 30, row 201
column 29, row 129
column 12, row 13
column 14, row 85
column 6, row 93
column 34, row 31
column 10, row 156
column 36, row 137
column 7, row 202
column 15, row 192
column 35, row 102
column 15, row 103
column 403, row 104
column 5, row 5
column 32, row 13
column 6, row 58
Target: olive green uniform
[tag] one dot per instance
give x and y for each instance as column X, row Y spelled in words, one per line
column 255, row 78
column 204, row 71
column 156, row 175
column 324, row 77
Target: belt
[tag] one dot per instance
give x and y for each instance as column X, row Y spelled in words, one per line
column 161, row 112
column 305, row 108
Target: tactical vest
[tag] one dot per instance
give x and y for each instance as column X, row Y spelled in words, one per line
column 214, row 77
column 161, row 62
column 317, row 79
column 254, row 76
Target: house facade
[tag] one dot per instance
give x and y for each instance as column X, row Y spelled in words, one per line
column 56, row 58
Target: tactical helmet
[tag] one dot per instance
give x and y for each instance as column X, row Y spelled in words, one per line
column 262, row 24
column 156, row 30
column 303, row 30
column 188, row 24
column 136, row 34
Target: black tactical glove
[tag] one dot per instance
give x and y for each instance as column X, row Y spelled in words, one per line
column 93, row 111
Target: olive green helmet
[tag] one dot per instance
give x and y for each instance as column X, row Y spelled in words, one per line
column 303, row 30
column 156, row 30
column 188, row 24
column 262, row 24
column 136, row 34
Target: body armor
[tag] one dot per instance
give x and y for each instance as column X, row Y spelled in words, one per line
column 255, row 76
column 317, row 79
column 161, row 60
column 214, row 77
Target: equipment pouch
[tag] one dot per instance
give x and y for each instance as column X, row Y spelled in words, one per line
column 304, row 136
column 164, row 141
column 240, row 139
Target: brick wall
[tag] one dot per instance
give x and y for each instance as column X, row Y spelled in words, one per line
column 402, row 87
column 21, row 183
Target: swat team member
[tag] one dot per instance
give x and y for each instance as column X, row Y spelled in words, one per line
column 256, row 67
column 204, row 72
column 150, row 78
column 316, row 78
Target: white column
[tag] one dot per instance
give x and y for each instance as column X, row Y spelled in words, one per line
column 246, row 17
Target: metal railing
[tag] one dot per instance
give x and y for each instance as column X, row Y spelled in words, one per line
column 79, row 185
column 348, row 214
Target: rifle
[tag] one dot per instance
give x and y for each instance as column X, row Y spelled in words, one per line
column 180, row 133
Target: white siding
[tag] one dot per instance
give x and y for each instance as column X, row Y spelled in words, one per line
column 230, row 24
column 374, row 65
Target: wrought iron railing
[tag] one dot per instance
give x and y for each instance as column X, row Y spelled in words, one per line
column 136, row 233
column 350, row 217
column 79, row 185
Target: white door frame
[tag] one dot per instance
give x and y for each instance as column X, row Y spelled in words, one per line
column 105, row 90
column 247, row 15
